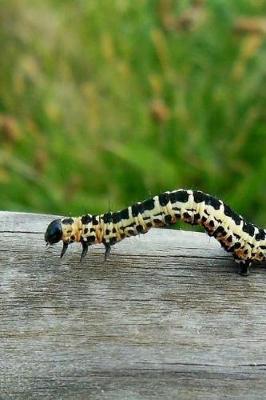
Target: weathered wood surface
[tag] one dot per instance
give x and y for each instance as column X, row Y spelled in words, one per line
column 166, row 317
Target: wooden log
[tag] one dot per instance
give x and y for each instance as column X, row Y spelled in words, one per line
column 167, row 316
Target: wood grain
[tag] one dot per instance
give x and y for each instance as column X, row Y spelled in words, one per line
column 167, row 316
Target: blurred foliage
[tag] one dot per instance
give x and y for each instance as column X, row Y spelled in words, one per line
column 106, row 102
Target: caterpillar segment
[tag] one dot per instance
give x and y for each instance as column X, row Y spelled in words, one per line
column 245, row 241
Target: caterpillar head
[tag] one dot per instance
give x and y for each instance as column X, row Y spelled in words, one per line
column 54, row 232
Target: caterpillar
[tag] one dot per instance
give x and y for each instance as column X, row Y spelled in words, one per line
column 245, row 241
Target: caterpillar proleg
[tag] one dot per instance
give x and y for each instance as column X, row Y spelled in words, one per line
column 245, row 241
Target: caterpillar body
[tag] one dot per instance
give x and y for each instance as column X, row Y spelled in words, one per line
column 245, row 241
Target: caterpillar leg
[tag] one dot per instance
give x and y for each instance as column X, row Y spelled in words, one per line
column 107, row 250
column 64, row 249
column 244, row 268
column 85, row 246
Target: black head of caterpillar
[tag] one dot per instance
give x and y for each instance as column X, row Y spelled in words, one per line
column 54, row 232
column 245, row 241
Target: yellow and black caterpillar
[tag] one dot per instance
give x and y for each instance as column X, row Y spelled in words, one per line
column 245, row 241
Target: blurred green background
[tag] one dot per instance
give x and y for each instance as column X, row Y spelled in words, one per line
column 106, row 102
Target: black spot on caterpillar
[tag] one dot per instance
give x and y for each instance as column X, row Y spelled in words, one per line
column 245, row 241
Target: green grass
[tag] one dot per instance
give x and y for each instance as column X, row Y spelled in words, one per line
column 103, row 103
